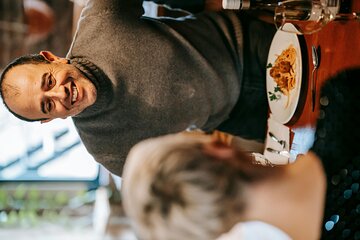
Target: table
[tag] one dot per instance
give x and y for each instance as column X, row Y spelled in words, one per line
column 339, row 45
column 339, row 49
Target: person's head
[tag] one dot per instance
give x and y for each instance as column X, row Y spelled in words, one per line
column 44, row 87
column 186, row 187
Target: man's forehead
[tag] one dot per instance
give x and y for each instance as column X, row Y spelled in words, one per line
column 24, row 74
column 19, row 88
column 18, row 71
column 29, row 68
column 19, row 75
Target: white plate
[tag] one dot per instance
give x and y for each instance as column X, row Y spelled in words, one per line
column 279, row 108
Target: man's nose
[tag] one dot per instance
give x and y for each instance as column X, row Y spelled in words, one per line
column 60, row 93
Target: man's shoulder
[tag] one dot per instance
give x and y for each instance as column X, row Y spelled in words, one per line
column 116, row 7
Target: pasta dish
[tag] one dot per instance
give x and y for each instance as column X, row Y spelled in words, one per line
column 283, row 70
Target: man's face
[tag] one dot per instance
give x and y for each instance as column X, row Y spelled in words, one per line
column 54, row 90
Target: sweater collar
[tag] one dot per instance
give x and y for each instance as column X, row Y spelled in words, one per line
column 102, row 85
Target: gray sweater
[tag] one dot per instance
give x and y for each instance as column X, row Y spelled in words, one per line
column 153, row 76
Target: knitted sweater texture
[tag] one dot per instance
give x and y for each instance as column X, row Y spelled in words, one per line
column 153, row 76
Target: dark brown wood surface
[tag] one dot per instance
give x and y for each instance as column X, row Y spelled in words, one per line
column 339, row 48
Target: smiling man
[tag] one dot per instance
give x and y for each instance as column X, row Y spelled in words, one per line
column 127, row 78
column 48, row 89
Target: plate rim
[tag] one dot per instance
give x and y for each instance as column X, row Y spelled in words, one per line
column 299, row 72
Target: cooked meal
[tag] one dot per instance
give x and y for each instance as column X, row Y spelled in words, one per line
column 283, row 70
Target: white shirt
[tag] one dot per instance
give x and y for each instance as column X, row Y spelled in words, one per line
column 254, row 230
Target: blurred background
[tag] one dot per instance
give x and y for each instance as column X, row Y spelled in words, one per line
column 50, row 187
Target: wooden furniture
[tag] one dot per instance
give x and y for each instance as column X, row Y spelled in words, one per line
column 339, row 48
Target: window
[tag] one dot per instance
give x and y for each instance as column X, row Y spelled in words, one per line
column 43, row 152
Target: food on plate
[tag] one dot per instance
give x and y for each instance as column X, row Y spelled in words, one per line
column 283, row 70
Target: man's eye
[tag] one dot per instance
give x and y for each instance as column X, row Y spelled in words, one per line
column 51, row 82
column 49, row 106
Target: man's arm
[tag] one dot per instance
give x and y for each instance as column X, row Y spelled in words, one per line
column 231, row 140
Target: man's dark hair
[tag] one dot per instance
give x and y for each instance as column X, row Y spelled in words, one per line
column 26, row 59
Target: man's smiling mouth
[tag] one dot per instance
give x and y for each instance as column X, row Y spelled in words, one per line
column 74, row 93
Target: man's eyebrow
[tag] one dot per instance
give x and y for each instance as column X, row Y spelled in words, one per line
column 43, row 80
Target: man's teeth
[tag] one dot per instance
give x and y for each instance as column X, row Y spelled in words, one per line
column 75, row 94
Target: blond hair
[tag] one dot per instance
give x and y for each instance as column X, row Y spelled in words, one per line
column 172, row 190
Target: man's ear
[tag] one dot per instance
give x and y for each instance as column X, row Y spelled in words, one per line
column 52, row 57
